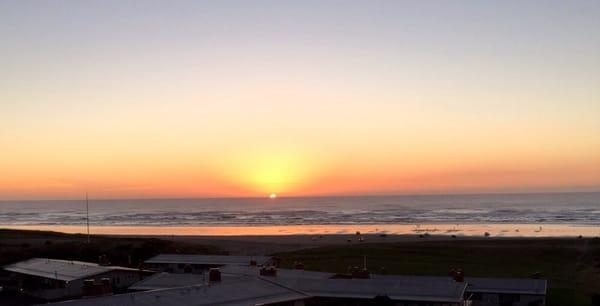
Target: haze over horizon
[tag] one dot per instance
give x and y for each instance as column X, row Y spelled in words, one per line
column 149, row 99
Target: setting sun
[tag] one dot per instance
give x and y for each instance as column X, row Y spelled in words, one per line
column 273, row 196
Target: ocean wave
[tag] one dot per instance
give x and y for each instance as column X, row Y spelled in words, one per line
column 583, row 209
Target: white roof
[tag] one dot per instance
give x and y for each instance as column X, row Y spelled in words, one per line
column 244, row 291
column 174, row 280
column 401, row 290
column 507, row 285
column 242, row 285
column 485, row 284
column 207, row 259
column 65, row 270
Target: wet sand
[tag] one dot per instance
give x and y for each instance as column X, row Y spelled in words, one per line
column 495, row 230
column 257, row 240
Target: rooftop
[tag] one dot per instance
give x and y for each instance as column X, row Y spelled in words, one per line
column 445, row 290
column 65, row 270
column 174, row 280
column 485, row 284
column 243, row 291
column 507, row 285
column 208, row 259
column 242, row 285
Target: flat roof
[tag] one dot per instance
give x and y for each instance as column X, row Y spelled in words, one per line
column 400, row 290
column 243, row 291
column 65, row 270
column 207, row 259
column 486, row 284
column 507, row 285
column 174, row 280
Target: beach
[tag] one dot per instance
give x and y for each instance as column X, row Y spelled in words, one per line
column 469, row 230
column 268, row 240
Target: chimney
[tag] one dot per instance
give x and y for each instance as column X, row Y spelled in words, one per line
column 214, row 275
column 458, row 275
column 275, row 261
column 357, row 272
column 537, row 275
column 103, row 260
column 268, row 271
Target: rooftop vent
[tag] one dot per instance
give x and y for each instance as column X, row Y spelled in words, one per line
column 214, row 275
column 268, row 271
column 357, row 272
column 458, row 275
column 103, row 260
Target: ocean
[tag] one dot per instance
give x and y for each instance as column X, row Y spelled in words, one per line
column 546, row 208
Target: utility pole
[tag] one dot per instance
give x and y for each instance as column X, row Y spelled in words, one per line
column 87, row 214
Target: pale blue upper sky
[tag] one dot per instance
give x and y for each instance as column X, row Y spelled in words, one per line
column 426, row 44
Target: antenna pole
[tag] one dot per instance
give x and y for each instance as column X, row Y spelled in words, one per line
column 87, row 214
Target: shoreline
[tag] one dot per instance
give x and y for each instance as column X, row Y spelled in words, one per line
column 263, row 244
column 443, row 229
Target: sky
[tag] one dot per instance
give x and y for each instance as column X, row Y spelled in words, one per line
column 142, row 99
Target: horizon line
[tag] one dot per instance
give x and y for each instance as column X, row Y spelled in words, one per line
column 317, row 196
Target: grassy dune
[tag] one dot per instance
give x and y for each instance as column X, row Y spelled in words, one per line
column 16, row 245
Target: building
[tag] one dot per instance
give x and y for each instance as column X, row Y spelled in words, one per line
column 53, row 279
column 506, row 291
column 165, row 280
column 242, row 291
column 283, row 288
column 378, row 291
column 237, row 282
column 488, row 291
column 185, row 263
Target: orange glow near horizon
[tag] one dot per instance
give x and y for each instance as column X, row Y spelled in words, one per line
column 140, row 168
column 291, row 176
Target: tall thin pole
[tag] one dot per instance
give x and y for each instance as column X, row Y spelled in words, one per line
column 87, row 214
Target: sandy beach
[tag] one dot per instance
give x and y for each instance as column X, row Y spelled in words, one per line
column 270, row 239
column 474, row 230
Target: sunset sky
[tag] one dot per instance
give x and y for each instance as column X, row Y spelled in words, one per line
column 138, row 99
